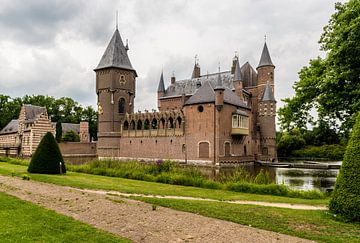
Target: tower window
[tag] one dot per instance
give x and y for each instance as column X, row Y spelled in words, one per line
column 121, row 106
column 200, row 108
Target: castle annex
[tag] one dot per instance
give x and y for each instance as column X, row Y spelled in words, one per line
column 213, row 119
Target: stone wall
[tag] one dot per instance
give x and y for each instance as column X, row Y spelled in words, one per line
column 76, row 148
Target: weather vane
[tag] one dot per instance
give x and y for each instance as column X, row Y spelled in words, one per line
column 117, row 16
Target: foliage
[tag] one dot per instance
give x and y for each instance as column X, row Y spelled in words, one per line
column 330, row 85
column 346, row 196
column 21, row 221
column 58, row 132
column 59, row 110
column 169, row 173
column 71, row 136
column 47, row 157
column 331, row 152
column 290, row 141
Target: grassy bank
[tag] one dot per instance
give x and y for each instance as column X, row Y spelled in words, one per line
column 169, row 173
column 81, row 180
column 309, row 224
column 22, row 221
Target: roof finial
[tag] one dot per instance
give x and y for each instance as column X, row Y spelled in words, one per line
column 196, row 58
column 219, row 67
column 236, row 54
column 173, row 73
column 117, row 16
column 265, row 37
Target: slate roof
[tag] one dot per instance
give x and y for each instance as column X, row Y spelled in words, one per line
column 206, row 94
column 11, row 127
column 115, row 54
column 161, row 87
column 268, row 93
column 32, row 111
column 265, row 59
column 249, row 75
column 237, row 74
column 65, row 127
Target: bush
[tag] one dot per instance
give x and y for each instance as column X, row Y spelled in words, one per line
column 332, row 152
column 263, row 178
column 47, row 157
column 71, row 136
column 346, row 195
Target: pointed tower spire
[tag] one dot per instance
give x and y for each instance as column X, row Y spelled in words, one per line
column 268, row 93
column 196, row 71
column 237, row 74
column 115, row 55
column 219, row 83
column 161, row 87
column 265, row 59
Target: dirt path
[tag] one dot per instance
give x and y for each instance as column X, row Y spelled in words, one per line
column 267, row 204
column 133, row 219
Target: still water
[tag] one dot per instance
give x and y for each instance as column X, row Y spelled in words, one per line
column 301, row 179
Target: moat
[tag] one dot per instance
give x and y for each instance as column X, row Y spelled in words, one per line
column 297, row 178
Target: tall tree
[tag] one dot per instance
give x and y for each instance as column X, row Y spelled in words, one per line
column 330, row 85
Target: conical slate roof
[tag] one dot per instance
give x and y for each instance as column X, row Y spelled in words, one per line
column 265, row 59
column 268, row 93
column 115, row 54
column 161, row 87
column 237, row 74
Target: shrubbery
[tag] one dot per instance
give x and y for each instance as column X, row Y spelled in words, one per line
column 47, row 157
column 170, row 173
column 346, row 196
column 331, row 152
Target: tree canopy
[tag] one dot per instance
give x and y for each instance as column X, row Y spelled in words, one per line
column 59, row 110
column 330, row 85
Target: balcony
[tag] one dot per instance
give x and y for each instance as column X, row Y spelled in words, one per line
column 239, row 131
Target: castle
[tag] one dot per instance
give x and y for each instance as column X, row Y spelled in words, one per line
column 214, row 119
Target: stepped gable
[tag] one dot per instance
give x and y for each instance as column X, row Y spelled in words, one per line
column 32, row 112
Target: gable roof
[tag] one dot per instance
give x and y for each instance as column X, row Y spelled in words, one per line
column 206, row 94
column 11, row 127
column 115, row 54
column 66, row 127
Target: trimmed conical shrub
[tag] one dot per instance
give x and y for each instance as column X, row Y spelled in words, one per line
column 47, row 157
column 346, row 196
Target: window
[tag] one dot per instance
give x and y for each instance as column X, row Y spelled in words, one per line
column 240, row 121
column 121, row 106
column 200, row 108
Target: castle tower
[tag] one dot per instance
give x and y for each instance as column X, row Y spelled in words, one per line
column 267, row 112
column 265, row 70
column 161, row 89
column 115, row 88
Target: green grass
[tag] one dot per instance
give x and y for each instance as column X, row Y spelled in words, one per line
column 21, row 221
column 309, row 224
column 81, row 180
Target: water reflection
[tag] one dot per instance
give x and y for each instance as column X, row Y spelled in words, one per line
column 301, row 179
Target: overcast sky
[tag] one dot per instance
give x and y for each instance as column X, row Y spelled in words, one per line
column 51, row 47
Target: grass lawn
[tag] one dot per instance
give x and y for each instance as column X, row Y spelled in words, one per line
column 309, row 224
column 81, row 180
column 21, row 221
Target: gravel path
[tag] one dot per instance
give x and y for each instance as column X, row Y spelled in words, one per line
column 133, row 219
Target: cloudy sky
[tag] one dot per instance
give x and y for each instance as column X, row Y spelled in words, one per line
column 51, row 47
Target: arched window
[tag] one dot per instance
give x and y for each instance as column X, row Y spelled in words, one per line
column 146, row 124
column 178, row 122
column 162, row 123
column 139, row 125
column 154, row 124
column 132, row 125
column 171, row 122
column 121, row 106
column 227, row 149
column 126, row 125
column 204, row 150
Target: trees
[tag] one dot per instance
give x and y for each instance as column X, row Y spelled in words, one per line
column 47, row 157
column 71, row 136
column 330, row 85
column 346, row 196
column 59, row 110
